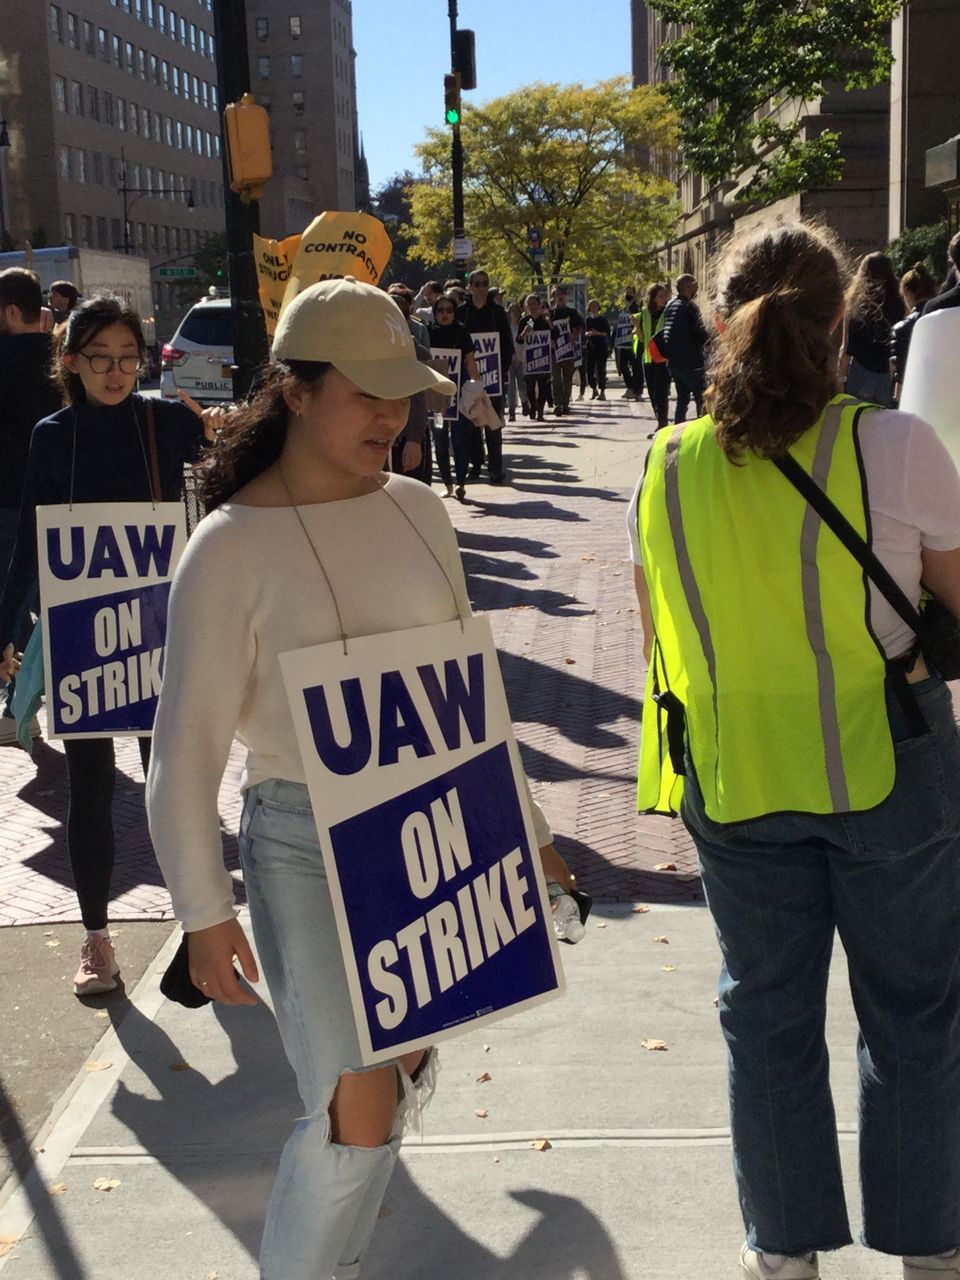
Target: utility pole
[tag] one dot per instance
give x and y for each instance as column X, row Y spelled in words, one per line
column 242, row 219
column 456, row 146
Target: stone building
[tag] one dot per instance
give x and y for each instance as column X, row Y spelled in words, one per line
column 884, row 134
column 302, row 69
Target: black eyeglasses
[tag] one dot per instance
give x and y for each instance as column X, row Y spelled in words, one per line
column 104, row 364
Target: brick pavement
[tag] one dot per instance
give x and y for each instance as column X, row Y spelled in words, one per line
column 546, row 557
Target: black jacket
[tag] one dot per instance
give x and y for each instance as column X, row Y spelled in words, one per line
column 951, row 298
column 110, row 466
column 27, row 394
column 683, row 336
column 490, row 319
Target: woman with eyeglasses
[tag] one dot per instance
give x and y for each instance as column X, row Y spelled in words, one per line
column 95, row 449
column 447, row 334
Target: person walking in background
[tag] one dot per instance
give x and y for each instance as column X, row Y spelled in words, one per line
column 565, row 323
column 597, row 336
column 27, row 394
column 873, row 307
column 683, row 340
column 538, row 384
column 447, row 334
column 516, row 387
column 63, row 296
column 96, row 449
column 655, row 371
column 487, row 324
column 917, row 287
column 412, row 453
column 627, row 364
column 949, row 296
column 818, row 760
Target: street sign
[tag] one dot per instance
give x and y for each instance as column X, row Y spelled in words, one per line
column 538, row 255
column 462, row 248
column 533, row 237
column 177, row 273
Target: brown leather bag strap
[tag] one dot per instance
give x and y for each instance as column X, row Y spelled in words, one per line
column 155, row 489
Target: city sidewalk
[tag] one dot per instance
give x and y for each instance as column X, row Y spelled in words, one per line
column 156, row 1158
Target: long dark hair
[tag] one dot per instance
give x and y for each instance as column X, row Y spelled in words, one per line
column 85, row 322
column 655, row 311
column 254, row 434
column 779, row 292
column 874, row 292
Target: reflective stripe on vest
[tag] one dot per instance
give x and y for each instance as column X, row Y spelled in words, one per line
column 762, row 630
column 649, row 329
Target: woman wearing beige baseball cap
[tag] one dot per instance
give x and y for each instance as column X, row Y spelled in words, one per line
column 306, row 541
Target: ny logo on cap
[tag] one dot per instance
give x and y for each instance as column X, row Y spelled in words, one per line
column 398, row 328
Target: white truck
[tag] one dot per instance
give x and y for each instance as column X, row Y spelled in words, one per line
column 94, row 271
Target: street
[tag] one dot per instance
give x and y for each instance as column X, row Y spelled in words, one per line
column 184, row 1112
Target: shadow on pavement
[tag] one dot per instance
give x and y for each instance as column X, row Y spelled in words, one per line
column 492, row 542
column 190, row 1128
column 580, row 709
column 608, row 495
column 525, row 511
column 633, row 884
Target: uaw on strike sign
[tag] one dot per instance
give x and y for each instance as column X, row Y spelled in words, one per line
column 105, row 572
column 425, row 827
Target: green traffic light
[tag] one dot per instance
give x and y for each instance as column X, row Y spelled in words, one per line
column 453, row 115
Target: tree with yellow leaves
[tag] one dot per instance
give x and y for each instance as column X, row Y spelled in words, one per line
column 568, row 160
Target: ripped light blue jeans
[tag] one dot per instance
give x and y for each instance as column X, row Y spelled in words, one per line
column 326, row 1197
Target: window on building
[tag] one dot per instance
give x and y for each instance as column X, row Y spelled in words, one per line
column 138, row 10
column 116, row 234
column 96, row 168
column 296, row 64
column 102, row 233
column 155, row 127
column 56, row 23
column 142, row 63
column 295, row 27
column 300, row 141
column 79, row 164
column 179, row 133
column 188, row 136
column 151, row 14
column 205, row 92
column 93, row 102
column 89, row 38
column 298, row 102
column 73, row 31
column 203, row 43
column 60, row 92
column 193, row 36
column 63, row 161
column 171, row 24
column 155, row 69
column 106, row 107
column 103, row 44
column 121, row 113
column 162, row 19
column 70, row 228
column 263, row 66
column 263, row 28
column 303, row 171
column 133, row 121
column 175, row 79
column 130, row 58
column 76, row 97
column 168, row 131
column 183, row 31
column 117, row 44
column 165, row 74
column 113, row 172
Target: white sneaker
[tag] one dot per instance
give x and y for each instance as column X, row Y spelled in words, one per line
column 757, row 1265
column 939, row 1266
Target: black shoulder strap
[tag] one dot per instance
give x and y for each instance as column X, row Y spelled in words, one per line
column 852, row 540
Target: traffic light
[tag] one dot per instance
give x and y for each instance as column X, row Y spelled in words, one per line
column 249, row 160
column 218, row 269
column 451, row 99
column 465, row 57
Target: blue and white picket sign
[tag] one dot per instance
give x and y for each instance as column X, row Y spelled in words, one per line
column 105, row 574
column 623, row 332
column 536, row 352
column 424, row 822
column 454, row 360
column 564, row 349
column 487, row 347
column 578, row 350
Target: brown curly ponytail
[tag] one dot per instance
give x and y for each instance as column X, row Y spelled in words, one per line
column 778, row 296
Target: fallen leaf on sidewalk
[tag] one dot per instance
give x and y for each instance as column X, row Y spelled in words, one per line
column 716, row 1002
column 542, row 1144
column 106, row 1184
column 640, row 910
column 486, row 1048
column 653, row 1045
column 481, row 1113
column 97, row 1066
column 484, row 1078
column 665, row 866
column 214, row 1275
column 54, row 942
column 668, row 968
column 571, row 662
column 661, row 938
column 57, row 1189
column 180, row 1066
column 588, row 557
column 101, row 1013
column 601, row 924
column 7, row 1243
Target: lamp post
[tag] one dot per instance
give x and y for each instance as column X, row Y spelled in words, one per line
column 138, row 193
column 4, row 148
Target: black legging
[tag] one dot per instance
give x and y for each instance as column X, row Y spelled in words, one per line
column 92, row 770
column 538, row 390
column 597, row 365
column 658, row 384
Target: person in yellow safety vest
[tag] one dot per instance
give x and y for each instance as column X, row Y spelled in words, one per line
column 815, row 761
column 655, row 371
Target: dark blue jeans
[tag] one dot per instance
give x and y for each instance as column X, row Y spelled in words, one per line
column 688, row 382
column 888, row 880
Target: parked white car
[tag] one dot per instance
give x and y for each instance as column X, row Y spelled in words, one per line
column 198, row 359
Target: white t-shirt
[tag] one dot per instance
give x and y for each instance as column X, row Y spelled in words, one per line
column 913, row 492
column 248, row 589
